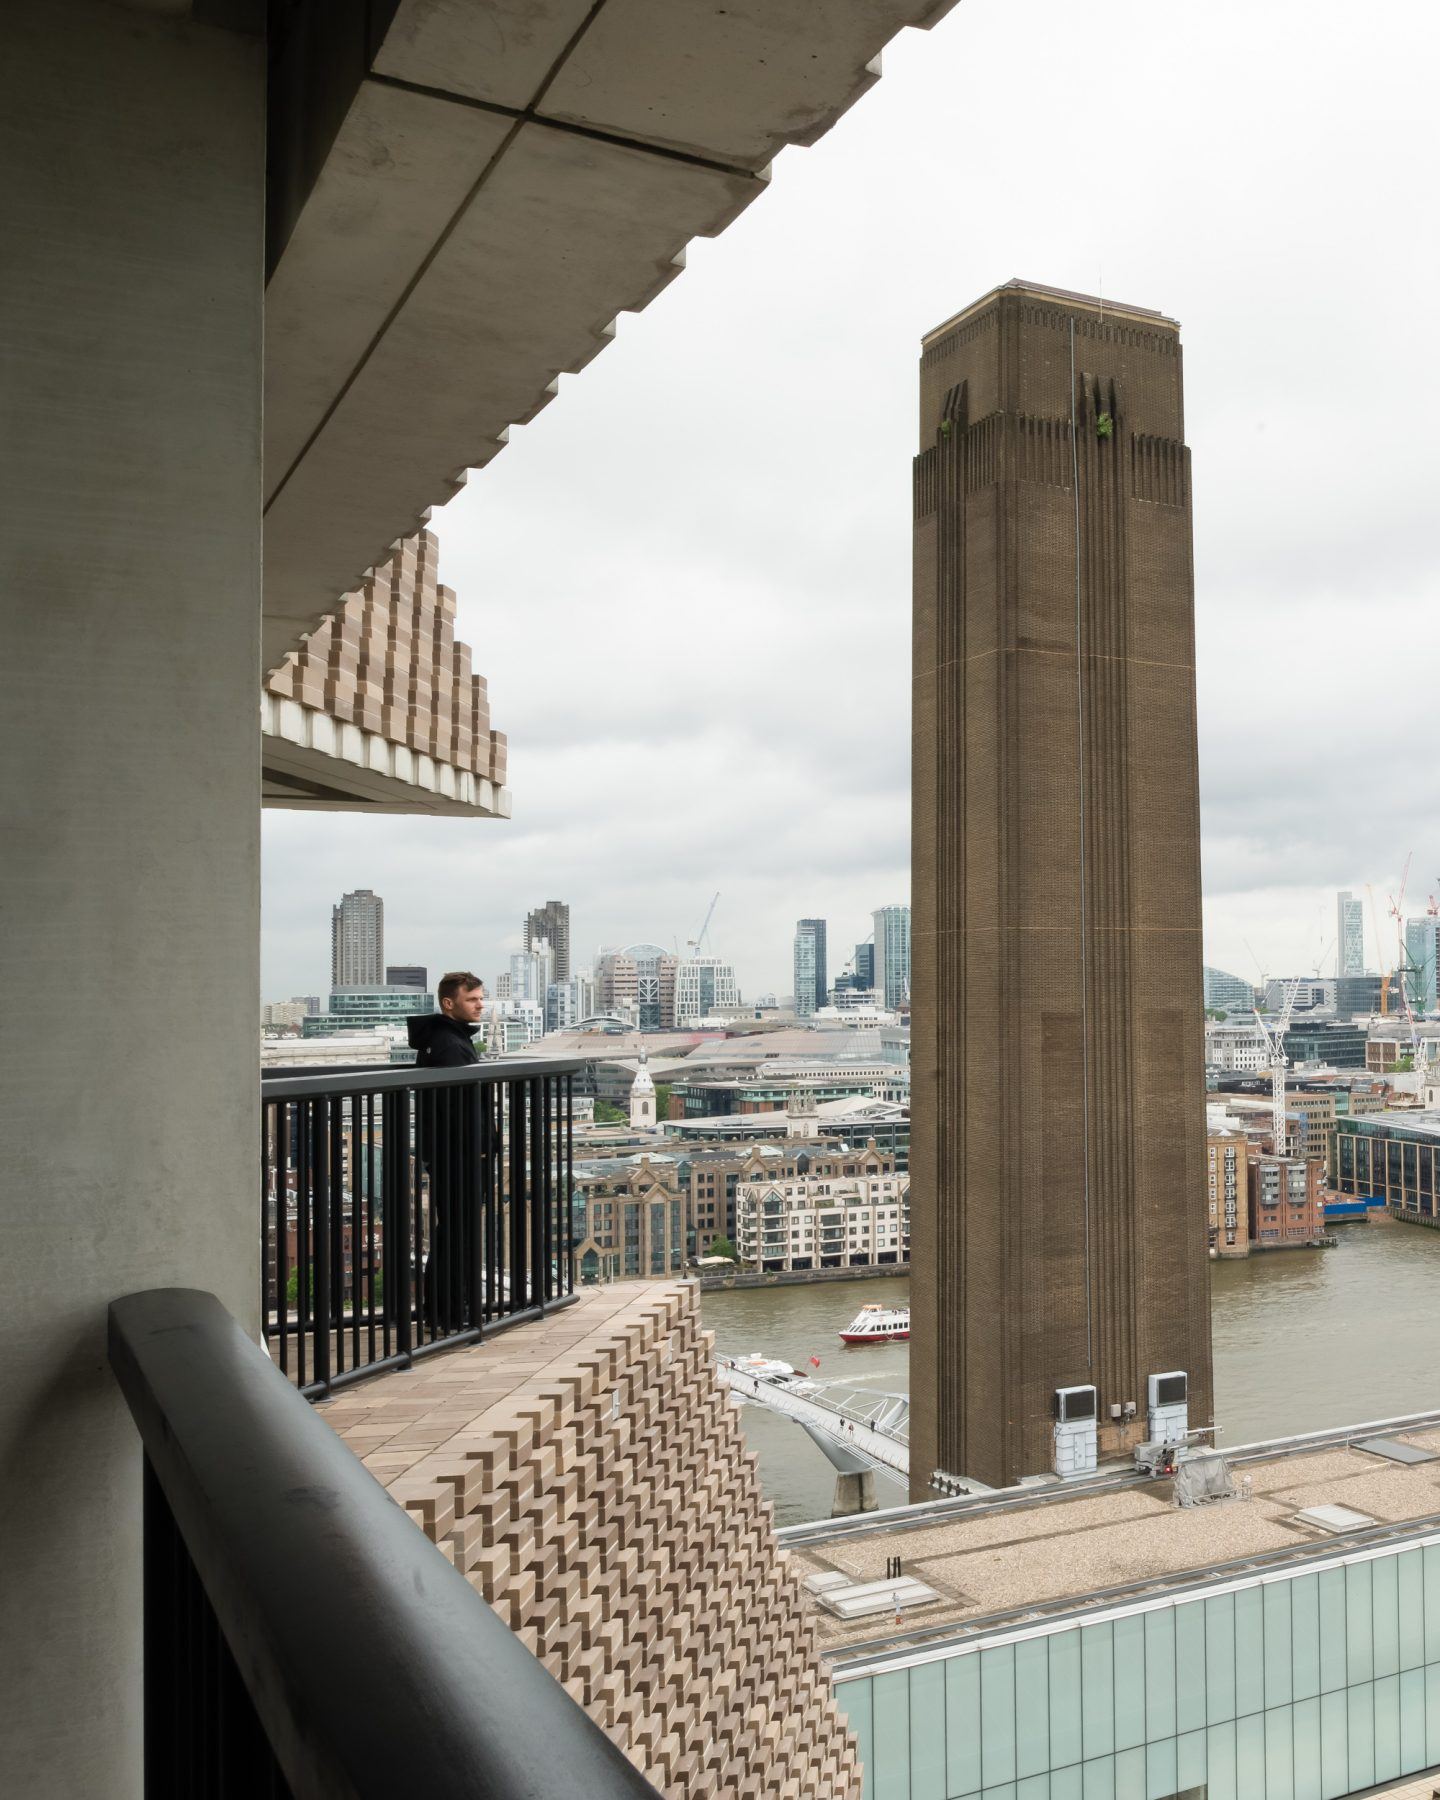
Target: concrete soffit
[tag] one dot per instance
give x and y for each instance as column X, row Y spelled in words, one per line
column 470, row 192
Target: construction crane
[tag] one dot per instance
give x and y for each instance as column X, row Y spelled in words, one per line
column 693, row 944
column 1379, row 954
column 1275, row 1050
column 1397, row 913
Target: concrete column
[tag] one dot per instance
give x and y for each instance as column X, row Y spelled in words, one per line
column 854, row 1494
column 130, row 324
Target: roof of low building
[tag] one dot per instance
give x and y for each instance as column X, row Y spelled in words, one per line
column 1052, row 1550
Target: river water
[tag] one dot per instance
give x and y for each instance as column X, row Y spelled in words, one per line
column 1304, row 1339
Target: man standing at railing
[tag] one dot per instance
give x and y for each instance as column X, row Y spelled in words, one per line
column 444, row 1040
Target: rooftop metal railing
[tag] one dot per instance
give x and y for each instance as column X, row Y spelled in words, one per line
column 302, row 1639
column 406, row 1210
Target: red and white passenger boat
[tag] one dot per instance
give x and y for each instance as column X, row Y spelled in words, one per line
column 877, row 1325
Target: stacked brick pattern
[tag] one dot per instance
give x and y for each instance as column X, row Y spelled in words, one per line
column 1059, row 1224
column 387, row 661
column 589, row 1476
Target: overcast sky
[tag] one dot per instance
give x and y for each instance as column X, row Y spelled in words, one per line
column 688, row 580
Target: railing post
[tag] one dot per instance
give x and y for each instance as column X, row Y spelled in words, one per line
column 568, row 1202
column 395, row 1206
column 535, row 1195
column 475, row 1204
column 320, row 1251
column 304, row 1238
column 545, row 1191
column 517, row 1208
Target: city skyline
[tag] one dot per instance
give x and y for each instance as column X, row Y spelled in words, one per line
column 1310, row 949
column 582, row 960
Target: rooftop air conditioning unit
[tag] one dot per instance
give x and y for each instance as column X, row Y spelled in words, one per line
column 1169, row 1390
column 1169, row 1410
column 1075, row 1439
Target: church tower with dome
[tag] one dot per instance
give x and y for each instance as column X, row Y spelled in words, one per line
column 642, row 1098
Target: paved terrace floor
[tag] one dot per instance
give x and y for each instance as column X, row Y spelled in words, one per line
column 997, row 1559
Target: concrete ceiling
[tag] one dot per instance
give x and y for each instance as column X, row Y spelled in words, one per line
column 503, row 178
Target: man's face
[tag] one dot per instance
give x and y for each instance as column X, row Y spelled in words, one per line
column 466, row 1005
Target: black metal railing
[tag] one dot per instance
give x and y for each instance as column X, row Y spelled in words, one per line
column 302, row 1639
column 408, row 1209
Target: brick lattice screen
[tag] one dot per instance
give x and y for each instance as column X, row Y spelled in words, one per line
column 388, row 661
column 588, row 1474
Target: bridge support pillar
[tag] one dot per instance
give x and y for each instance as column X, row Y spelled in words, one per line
column 854, row 1494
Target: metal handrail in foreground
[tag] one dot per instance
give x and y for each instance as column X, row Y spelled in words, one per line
column 302, row 1638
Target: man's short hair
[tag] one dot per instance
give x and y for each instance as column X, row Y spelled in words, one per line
column 458, row 981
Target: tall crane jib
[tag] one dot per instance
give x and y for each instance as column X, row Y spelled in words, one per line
column 697, row 943
column 1278, row 1062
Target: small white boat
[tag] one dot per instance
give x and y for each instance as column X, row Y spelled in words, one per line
column 877, row 1325
column 764, row 1368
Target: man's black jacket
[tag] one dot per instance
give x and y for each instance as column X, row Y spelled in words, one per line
column 442, row 1042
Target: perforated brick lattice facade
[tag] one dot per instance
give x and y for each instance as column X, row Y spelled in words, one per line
column 588, row 1474
column 388, row 661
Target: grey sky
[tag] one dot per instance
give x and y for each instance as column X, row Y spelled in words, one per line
column 688, row 580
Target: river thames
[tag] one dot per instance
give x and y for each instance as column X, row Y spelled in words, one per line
column 1304, row 1339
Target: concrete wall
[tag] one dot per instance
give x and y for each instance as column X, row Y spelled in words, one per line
column 129, row 804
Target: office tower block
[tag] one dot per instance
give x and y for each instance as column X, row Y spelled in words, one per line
column 1419, row 970
column 892, row 955
column 1349, row 934
column 552, row 922
column 812, row 986
column 865, row 965
column 1058, row 1130
column 357, row 940
column 407, row 975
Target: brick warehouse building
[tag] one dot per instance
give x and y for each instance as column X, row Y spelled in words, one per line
column 1059, row 1227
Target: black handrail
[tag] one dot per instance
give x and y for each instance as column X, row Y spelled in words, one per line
column 405, row 1210
column 303, row 1638
column 303, row 1084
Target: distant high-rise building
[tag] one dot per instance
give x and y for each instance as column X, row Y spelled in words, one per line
column 617, row 982
column 407, row 975
column 568, row 1002
column 1304, row 993
column 357, row 940
column 891, row 968
column 655, row 986
column 865, row 966
column 531, row 973
column 703, row 983
column 1419, row 971
column 642, row 976
column 1349, row 935
column 812, row 985
column 1058, row 1151
column 552, row 922
column 1356, row 994
column 1227, row 993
